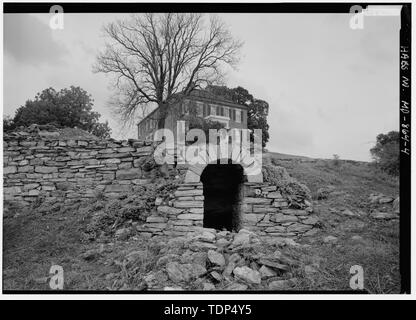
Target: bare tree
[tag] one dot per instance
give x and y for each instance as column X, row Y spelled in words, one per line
column 159, row 58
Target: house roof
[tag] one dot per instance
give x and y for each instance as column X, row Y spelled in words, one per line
column 206, row 96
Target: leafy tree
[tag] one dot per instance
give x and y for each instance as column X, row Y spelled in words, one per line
column 335, row 160
column 257, row 109
column 160, row 58
column 196, row 122
column 386, row 152
column 8, row 123
column 65, row 108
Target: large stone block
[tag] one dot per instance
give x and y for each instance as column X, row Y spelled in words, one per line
column 155, row 225
column 134, row 173
column 125, row 165
column 33, row 193
column 275, row 229
column 246, row 208
column 12, row 190
column 263, row 209
column 298, row 227
column 296, row 212
column 189, row 204
column 23, row 162
column 106, row 151
column 46, row 186
column 185, row 199
column 191, row 216
column 10, row 169
column 187, row 228
column 156, row 219
column 196, row 210
column 192, row 177
column 113, row 155
column 169, row 210
column 30, row 186
column 36, row 162
column 274, row 195
column 269, row 188
column 282, row 218
column 43, row 169
column 255, row 178
column 118, row 188
column 182, row 222
column 140, row 181
column 28, row 143
column 280, row 204
column 250, row 200
column 126, row 149
column 310, row 220
column 26, row 169
column 34, row 176
column 252, row 217
column 188, row 193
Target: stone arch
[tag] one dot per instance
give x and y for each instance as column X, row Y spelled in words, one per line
column 193, row 174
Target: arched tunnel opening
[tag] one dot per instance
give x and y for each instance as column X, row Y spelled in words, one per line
column 222, row 195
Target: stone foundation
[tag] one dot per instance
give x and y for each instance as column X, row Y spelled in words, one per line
column 263, row 209
column 44, row 165
column 52, row 168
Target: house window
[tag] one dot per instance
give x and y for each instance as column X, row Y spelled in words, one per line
column 232, row 114
column 238, row 116
column 206, row 110
column 226, row 114
column 213, row 111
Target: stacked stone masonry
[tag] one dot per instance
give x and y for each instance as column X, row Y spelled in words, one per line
column 71, row 169
column 263, row 210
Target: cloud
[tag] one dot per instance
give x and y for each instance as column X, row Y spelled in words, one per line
column 30, row 41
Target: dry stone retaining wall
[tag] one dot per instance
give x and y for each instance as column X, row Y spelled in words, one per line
column 71, row 169
column 48, row 166
column 263, row 209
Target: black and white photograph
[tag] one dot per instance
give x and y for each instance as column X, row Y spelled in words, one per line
column 210, row 148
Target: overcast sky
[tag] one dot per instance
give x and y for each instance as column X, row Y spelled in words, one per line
column 331, row 89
